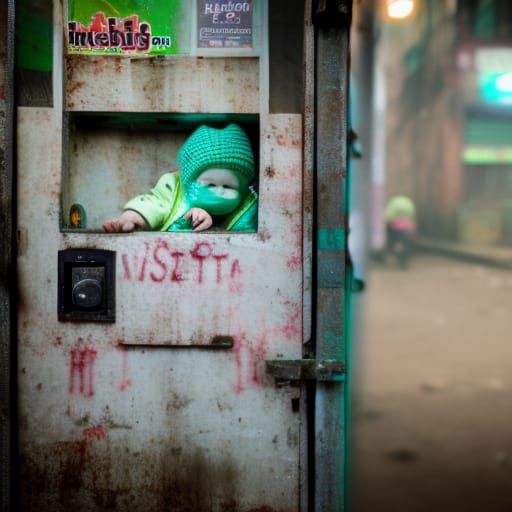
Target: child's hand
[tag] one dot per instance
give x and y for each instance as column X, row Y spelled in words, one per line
column 201, row 219
column 126, row 223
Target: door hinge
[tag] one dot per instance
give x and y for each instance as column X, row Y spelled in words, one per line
column 305, row 369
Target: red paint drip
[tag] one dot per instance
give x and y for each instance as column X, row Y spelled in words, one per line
column 236, row 286
column 124, row 382
column 218, row 261
column 238, row 345
column 294, row 263
column 249, row 357
column 142, row 272
column 235, row 269
column 290, row 330
column 126, row 267
column 97, row 432
column 81, row 450
column 82, row 358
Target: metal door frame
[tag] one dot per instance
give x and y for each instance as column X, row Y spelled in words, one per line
column 7, row 267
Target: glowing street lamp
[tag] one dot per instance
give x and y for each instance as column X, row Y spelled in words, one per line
column 399, row 9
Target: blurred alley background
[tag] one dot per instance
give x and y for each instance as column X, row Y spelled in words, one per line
column 432, row 350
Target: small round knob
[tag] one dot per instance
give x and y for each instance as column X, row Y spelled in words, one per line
column 87, row 293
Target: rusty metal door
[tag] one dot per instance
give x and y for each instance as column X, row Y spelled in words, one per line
column 190, row 395
column 150, row 409
column 170, row 406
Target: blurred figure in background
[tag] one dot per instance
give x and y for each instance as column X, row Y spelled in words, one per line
column 400, row 217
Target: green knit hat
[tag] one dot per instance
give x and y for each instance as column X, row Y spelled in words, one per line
column 213, row 148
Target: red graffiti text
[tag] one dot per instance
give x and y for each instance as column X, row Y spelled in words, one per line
column 81, row 369
column 163, row 264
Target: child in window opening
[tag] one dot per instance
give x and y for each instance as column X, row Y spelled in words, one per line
column 211, row 188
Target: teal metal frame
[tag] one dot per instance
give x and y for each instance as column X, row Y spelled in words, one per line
column 332, row 23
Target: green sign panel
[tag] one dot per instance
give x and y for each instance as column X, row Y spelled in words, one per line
column 127, row 27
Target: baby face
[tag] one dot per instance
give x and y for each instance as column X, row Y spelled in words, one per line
column 221, row 182
column 218, row 191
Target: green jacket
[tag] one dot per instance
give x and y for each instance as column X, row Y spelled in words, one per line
column 164, row 206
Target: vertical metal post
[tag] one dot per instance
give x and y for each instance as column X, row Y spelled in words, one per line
column 332, row 44
column 6, row 254
column 307, row 388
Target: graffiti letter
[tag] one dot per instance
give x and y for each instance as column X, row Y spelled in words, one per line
column 201, row 251
column 176, row 274
column 161, row 244
column 218, row 260
column 82, row 364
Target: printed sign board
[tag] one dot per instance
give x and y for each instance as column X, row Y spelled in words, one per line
column 127, row 27
column 224, row 24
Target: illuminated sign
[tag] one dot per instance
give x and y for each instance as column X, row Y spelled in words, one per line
column 125, row 27
column 493, row 60
column 496, row 88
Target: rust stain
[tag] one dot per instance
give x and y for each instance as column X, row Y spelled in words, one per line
column 178, row 402
column 154, row 75
column 99, row 65
column 196, row 482
column 71, row 64
column 264, row 236
column 118, row 67
column 41, row 488
column 71, row 476
column 269, row 172
column 72, row 86
column 223, row 405
column 292, row 438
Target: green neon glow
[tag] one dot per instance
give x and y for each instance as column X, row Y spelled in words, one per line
column 487, row 155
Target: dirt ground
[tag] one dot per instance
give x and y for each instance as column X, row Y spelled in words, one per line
column 432, row 390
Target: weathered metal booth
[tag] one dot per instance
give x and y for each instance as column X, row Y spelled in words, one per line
column 164, row 371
